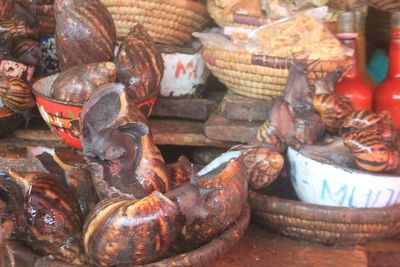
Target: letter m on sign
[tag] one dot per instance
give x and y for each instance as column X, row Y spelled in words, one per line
column 327, row 194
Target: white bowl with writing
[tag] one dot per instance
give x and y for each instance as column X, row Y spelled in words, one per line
column 329, row 184
column 185, row 72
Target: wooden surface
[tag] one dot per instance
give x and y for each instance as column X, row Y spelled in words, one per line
column 237, row 107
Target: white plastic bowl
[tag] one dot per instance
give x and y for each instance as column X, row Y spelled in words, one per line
column 327, row 184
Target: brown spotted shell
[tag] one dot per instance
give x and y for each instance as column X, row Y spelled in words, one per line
column 78, row 83
column 270, row 136
column 333, row 109
column 119, row 147
column 263, row 165
column 17, row 29
column 389, row 131
column 140, row 65
column 53, row 220
column 27, row 51
column 360, row 119
column 16, row 94
column 85, row 32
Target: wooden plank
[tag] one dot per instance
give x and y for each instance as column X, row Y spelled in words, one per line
column 237, row 107
column 184, row 133
column 190, row 108
column 219, row 128
column 261, row 248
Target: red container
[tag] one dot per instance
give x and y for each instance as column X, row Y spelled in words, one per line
column 63, row 117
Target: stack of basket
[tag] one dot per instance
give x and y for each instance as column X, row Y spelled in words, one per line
column 169, row 22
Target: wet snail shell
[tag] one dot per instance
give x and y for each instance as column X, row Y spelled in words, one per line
column 16, row 93
column 370, row 151
column 27, row 51
column 389, row 131
column 333, row 109
column 360, row 120
column 53, row 222
column 224, row 206
column 268, row 135
column 93, row 41
column 76, row 84
column 17, row 29
column 118, row 146
column 262, row 164
column 127, row 232
column 139, row 64
column 6, row 7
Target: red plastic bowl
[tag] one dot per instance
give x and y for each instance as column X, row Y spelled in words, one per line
column 63, row 117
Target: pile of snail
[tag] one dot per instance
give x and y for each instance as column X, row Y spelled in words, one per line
column 309, row 112
column 147, row 211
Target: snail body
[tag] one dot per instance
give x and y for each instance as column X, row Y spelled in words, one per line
column 370, row 151
column 118, row 146
column 127, row 232
column 50, row 215
column 333, row 109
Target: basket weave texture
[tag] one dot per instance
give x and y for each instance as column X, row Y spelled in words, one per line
column 170, row 22
column 385, row 5
column 324, row 224
column 258, row 76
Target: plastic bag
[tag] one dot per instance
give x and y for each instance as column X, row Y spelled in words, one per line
column 215, row 39
column 278, row 9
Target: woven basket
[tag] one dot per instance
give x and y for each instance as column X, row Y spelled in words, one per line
column 324, row 224
column 385, row 5
column 258, row 76
column 169, row 22
column 200, row 257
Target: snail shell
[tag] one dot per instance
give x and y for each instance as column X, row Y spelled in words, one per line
column 262, row 164
column 85, row 32
column 27, row 51
column 6, row 7
column 360, row 120
column 139, row 64
column 119, row 147
column 71, row 168
column 17, row 29
column 224, row 206
column 333, row 109
column 389, row 131
column 127, row 232
column 16, row 93
column 269, row 135
column 370, row 151
column 53, row 222
column 76, row 84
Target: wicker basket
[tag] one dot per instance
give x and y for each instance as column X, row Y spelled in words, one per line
column 385, row 5
column 323, row 224
column 258, row 76
column 200, row 257
column 169, row 22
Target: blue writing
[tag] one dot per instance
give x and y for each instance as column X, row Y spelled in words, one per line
column 326, row 190
column 390, row 198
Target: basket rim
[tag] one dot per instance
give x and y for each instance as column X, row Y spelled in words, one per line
column 315, row 212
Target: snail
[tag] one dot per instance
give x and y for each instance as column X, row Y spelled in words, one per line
column 93, row 41
column 360, row 120
column 71, row 168
column 370, row 151
column 118, row 146
column 128, row 232
column 16, row 94
column 179, row 172
column 27, row 51
column 268, row 135
column 389, row 131
column 47, row 217
column 77, row 83
column 224, row 206
column 17, row 29
column 139, row 64
column 333, row 109
column 262, row 164
column 6, row 7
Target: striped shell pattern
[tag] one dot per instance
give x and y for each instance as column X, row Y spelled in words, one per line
column 16, row 93
column 370, row 151
column 93, row 41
